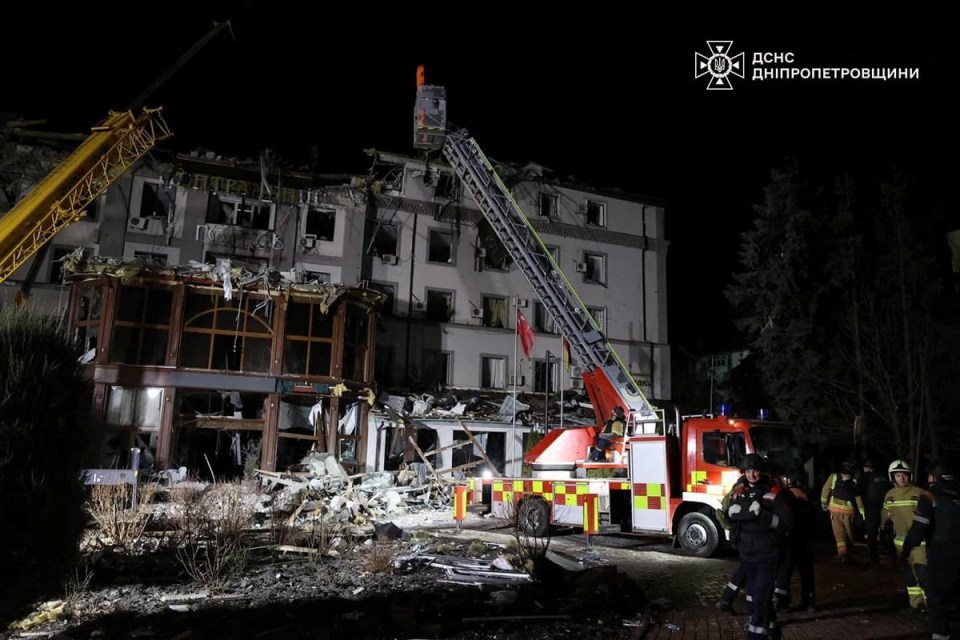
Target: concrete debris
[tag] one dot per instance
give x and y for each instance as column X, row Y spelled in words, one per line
column 322, row 494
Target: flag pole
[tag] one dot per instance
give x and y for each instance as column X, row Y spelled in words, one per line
column 563, row 366
column 516, row 369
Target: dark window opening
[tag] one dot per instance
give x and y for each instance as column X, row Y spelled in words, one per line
column 439, row 306
column 596, row 213
column 157, row 201
column 441, row 247
column 548, row 204
column 321, row 223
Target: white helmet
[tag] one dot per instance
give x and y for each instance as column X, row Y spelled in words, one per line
column 900, row 466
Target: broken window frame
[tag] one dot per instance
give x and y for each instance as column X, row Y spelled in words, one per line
column 434, row 249
column 142, row 322
column 316, row 339
column 246, row 327
column 154, row 199
column 240, row 211
column 595, row 213
column 447, row 186
column 386, row 239
column 87, row 314
column 548, row 205
column 596, row 271
column 431, row 308
column 320, row 222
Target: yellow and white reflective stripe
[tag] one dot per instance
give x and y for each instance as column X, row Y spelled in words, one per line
column 901, row 503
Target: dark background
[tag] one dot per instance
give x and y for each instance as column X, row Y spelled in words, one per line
column 597, row 95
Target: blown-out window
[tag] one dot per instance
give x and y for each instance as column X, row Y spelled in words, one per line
column 221, row 334
column 142, row 326
column 308, row 347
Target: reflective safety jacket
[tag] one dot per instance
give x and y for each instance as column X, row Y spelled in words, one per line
column 900, row 506
column 839, row 494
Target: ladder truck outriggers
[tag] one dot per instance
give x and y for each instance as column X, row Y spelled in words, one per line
column 663, row 479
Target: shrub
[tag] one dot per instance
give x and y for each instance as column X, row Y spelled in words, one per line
column 45, row 434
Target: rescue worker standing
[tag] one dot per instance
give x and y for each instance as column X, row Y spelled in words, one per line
column 739, row 577
column 839, row 497
column 799, row 554
column 899, row 506
column 759, row 519
column 872, row 488
column 937, row 521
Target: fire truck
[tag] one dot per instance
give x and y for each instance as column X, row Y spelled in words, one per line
column 661, row 478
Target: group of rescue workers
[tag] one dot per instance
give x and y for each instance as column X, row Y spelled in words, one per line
column 772, row 521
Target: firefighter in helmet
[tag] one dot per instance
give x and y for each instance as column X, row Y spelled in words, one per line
column 839, row 497
column 759, row 518
column 937, row 522
column 899, row 506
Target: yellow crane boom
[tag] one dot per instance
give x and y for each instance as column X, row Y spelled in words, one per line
column 63, row 196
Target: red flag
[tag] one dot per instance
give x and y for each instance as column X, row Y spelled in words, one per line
column 527, row 336
column 566, row 353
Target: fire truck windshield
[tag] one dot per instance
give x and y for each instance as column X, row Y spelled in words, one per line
column 776, row 443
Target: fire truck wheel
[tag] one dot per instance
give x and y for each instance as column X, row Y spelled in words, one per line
column 534, row 517
column 698, row 534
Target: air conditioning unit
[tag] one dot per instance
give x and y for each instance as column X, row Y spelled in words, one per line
column 522, row 303
column 419, row 306
column 389, row 258
column 138, row 223
column 481, row 253
column 581, row 267
column 576, row 383
column 476, row 312
column 309, row 241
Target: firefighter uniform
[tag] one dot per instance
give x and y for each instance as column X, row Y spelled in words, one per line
column 872, row 487
column 759, row 519
column 738, row 579
column 937, row 522
column 839, row 497
column 899, row 506
column 799, row 554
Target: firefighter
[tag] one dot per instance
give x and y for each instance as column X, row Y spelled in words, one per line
column 873, row 486
column 899, row 505
column 614, row 428
column 799, row 554
column 839, row 497
column 937, row 521
column 759, row 519
column 739, row 577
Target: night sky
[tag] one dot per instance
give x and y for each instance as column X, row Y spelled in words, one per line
column 608, row 99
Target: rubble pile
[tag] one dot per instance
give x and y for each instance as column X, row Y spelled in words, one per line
column 322, row 492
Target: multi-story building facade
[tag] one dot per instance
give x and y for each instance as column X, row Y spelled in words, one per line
column 409, row 231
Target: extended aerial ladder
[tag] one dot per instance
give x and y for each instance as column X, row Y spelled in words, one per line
column 607, row 381
column 63, row 196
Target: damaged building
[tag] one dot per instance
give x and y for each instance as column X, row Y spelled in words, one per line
column 238, row 314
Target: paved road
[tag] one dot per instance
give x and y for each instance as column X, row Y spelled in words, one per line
column 854, row 601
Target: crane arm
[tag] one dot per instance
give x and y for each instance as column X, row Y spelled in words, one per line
column 63, row 196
